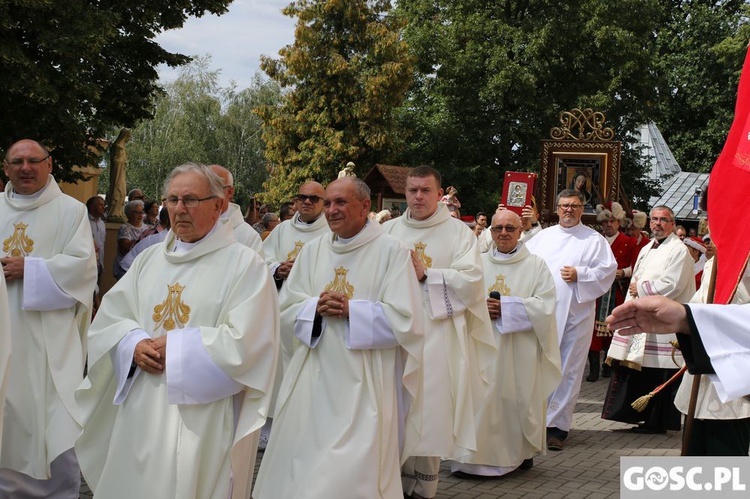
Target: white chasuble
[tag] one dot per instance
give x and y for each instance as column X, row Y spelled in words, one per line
column 459, row 343
column 243, row 231
column 339, row 413
column 595, row 264
column 5, row 348
column 52, row 231
column 511, row 423
column 219, row 293
column 667, row 271
column 709, row 405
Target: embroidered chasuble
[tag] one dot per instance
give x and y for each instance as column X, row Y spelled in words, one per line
column 185, row 433
column 5, row 348
column 243, row 231
column 52, row 231
column 709, row 405
column 459, row 343
column 283, row 244
column 340, row 411
column 511, row 422
column 667, row 271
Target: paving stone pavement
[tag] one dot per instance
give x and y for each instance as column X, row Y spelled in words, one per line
column 589, row 466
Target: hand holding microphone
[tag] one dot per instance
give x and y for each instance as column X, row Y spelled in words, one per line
column 493, row 305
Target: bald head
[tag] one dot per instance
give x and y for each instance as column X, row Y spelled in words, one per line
column 506, row 230
column 228, row 180
column 310, row 201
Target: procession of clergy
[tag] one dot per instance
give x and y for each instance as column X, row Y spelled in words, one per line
column 377, row 351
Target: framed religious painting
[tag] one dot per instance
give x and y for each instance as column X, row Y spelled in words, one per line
column 518, row 189
column 583, row 157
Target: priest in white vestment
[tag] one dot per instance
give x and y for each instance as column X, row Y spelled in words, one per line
column 5, row 348
column 182, row 356
column 584, row 268
column 49, row 264
column 643, row 362
column 530, row 224
column 281, row 248
column 510, row 425
column 460, row 345
column 353, row 303
column 232, row 215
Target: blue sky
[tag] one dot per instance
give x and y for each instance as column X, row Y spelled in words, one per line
column 235, row 41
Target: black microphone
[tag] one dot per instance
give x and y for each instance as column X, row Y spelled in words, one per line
column 495, row 295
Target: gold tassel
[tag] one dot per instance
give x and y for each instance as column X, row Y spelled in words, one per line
column 641, row 402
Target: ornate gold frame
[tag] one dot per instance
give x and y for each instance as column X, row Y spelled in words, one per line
column 583, row 138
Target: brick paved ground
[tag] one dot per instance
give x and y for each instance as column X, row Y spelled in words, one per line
column 588, row 467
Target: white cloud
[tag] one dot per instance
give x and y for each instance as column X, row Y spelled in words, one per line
column 235, row 41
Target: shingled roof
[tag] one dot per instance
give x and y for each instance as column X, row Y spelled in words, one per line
column 393, row 176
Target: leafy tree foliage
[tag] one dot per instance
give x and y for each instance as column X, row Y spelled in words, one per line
column 701, row 48
column 492, row 77
column 71, row 70
column 196, row 120
column 345, row 73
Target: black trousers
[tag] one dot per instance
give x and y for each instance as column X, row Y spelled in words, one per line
column 719, row 437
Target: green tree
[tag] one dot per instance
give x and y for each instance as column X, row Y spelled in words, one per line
column 701, row 49
column 492, row 77
column 346, row 71
column 71, row 71
column 197, row 120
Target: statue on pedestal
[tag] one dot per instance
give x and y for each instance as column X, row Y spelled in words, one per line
column 118, row 159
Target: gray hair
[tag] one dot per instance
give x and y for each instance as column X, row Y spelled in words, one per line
column 130, row 206
column 215, row 183
column 268, row 218
column 571, row 193
column 662, row 207
column 361, row 189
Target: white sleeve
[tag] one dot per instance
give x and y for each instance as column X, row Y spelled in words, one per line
column 122, row 361
column 723, row 331
column 303, row 324
column 513, row 316
column 40, row 291
column 444, row 302
column 368, row 327
column 192, row 376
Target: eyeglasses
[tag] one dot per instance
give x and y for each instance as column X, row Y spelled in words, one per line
column 663, row 220
column 498, row 229
column 304, row 197
column 189, row 202
column 566, row 207
column 21, row 161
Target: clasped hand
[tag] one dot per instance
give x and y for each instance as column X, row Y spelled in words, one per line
column 150, row 354
column 331, row 304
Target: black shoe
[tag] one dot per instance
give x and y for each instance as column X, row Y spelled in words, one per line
column 527, row 464
column 642, row 429
column 467, row 476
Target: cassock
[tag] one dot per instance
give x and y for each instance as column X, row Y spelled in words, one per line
column 460, row 345
column 243, row 231
column 5, row 348
column 587, row 251
column 181, row 434
column 50, row 314
column 646, row 360
column 339, row 415
column 511, row 422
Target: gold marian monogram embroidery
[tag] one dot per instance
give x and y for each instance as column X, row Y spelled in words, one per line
column 293, row 254
column 339, row 284
column 172, row 313
column 19, row 244
column 500, row 286
column 419, row 250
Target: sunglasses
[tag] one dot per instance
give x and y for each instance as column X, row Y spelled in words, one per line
column 304, row 197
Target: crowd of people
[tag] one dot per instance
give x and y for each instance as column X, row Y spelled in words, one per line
column 356, row 349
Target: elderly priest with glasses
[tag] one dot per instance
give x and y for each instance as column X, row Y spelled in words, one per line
column 583, row 266
column 182, row 356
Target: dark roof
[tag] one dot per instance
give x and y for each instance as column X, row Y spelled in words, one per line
column 394, row 176
column 679, row 192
